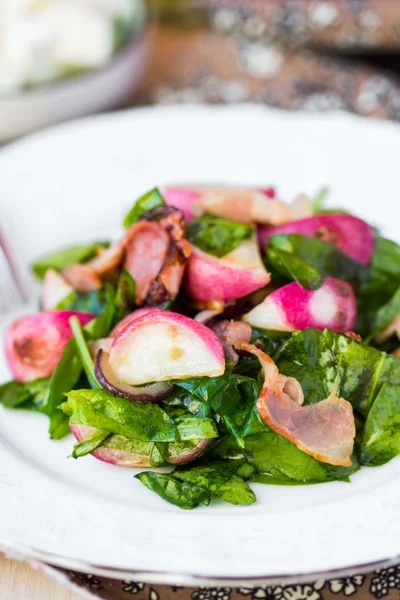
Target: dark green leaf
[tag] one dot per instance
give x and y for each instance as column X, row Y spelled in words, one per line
column 217, row 236
column 294, row 268
column 274, row 456
column 386, row 314
column 14, row 394
column 220, row 480
column 196, row 428
column 324, row 362
column 64, row 378
column 181, row 494
column 272, row 341
column 91, row 443
column 220, row 393
column 93, row 302
column 149, row 201
column 102, row 325
column 126, row 292
column 145, row 422
column 66, row 257
column 323, row 257
column 381, row 439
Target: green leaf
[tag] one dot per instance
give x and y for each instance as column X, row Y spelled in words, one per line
column 274, row 456
column 59, row 425
column 181, row 494
column 149, row 201
column 324, row 362
column 386, row 314
column 272, row 341
column 217, row 236
column 220, row 393
column 91, row 443
column 381, row 439
column 65, row 376
column 14, row 394
column 66, row 257
column 94, row 302
column 294, row 268
column 83, row 352
column 220, row 480
column 325, row 258
column 145, row 422
column 126, row 292
column 102, row 325
column 196, row 428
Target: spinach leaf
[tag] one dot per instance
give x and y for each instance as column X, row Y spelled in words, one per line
column 294, row 268
column 66, row 257
column 381, row 439
column 176, row 492
column 324, row 362
column 102, row 325
column 14, row 394
column 125, row 294
column 83, row 352
column 65, row 376
column 323, row 257
column 59, row 425
column 275, row 457
column 386, row 314
column 272, row 341
column 147, row 202
column 220, row 393
column 91, row 443
column 145, row 422
column 93, row 302
column 217, row 236
column 220, row 480
column 196, row 428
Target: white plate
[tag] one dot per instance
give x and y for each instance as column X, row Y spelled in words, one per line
column 74, row 183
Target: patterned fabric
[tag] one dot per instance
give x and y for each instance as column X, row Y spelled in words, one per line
column 384, row 583
column 239, row 60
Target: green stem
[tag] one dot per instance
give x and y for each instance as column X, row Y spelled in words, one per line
column 84, row 353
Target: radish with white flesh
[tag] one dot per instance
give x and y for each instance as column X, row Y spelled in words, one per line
column 161, row 346
column 351, row 235
column 293, row 308
column 233, row 276
column 153, row 392
column 139, row 312
column 55, row 289
column 182, row 199
column 114, row 456
column 34, row 344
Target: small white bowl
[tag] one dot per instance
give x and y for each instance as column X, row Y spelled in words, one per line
column 101, row 89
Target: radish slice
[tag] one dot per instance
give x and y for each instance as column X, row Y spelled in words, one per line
column 182, row 199
column 235, row 275
column 113, row 456
column 292, row 308
column 161, row 345
column 106, row 378
column 34, row 344
column 101, row 344
column 351, row 235
column 325, row 430
column 55, row 288
column 139, row 312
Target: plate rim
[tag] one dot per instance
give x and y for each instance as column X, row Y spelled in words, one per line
column 160, row 577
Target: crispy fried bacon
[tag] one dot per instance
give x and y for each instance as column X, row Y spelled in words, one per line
column 325, row 430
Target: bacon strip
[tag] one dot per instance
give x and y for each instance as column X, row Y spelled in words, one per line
column 324, row 430
column 231, row 333
column 250, row 206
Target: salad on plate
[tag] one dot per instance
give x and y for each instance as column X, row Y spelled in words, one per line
column 226, row 338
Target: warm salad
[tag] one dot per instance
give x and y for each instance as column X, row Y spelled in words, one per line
column 228, row 336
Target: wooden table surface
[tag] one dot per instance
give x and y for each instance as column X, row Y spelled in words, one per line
column 18, row 581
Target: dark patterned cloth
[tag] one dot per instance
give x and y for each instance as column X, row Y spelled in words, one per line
column 242, row 58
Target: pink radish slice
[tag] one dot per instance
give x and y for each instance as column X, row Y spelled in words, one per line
column 162, row 345
column 269, row 192
column 131, row 317
column 186, row 456
column 153, row 392
column 351, row 235
column 182, row 199
column 34, row 344
column 113, row 456
column 237, row 274
column 292, row 308
column 55, row 288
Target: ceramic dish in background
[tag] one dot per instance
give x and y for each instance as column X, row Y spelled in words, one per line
column 75, row 183
column 97, row 90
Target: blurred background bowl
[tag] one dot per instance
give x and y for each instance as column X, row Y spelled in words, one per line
column 107, row 87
